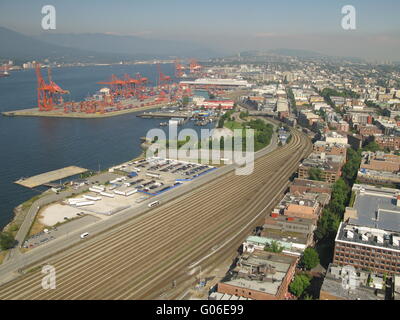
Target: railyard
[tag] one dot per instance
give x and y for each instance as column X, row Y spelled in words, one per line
column 145, row 255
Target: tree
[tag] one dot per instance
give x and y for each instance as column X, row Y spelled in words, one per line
column 221, row 123
column 274, row 247
column 299, row 284
column 315, row 174
column 185, row 101
column 7, row 241
column 372, row 146
column 310, row 258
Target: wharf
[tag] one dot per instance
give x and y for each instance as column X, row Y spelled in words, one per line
column 163, row 115
column 48, row 177
column 59, row 113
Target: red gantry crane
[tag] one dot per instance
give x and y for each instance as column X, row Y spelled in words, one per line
column 163, row 80
column 48, row 94
column 117, row 86
column 194, row 66
column 179, row 69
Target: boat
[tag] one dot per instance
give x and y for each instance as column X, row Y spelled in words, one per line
column 4, row 74
column 163, row 124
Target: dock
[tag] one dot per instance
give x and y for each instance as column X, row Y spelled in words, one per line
column 59, row 113
column 163, row 115
column 46, row 178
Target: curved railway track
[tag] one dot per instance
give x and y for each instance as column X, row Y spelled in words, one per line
column 149, row 252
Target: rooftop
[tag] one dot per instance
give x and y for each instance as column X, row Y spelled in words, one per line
column 335, row 284
column 376, row 208
column 311, row 183
column 261, row 271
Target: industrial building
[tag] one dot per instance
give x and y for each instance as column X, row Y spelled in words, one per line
column 210, row 83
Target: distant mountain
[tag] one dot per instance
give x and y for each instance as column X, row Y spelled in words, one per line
column 297, row 53
column 17, row 46
column 130, row 45
column 93, row 47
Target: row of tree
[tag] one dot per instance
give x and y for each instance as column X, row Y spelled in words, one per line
column 333, row 213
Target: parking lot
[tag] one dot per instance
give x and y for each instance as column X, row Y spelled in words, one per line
column 132, row 183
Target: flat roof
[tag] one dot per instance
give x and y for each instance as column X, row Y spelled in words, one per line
column 50, row 176
column 376, row 208
column 272, row 281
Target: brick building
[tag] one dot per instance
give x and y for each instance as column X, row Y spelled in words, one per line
column 389, row 142
column 260, row 275
column 380, row 161
column 331, row 148
column 369, row 130
column 329, row 165
column 303, row 185
column 369, row 237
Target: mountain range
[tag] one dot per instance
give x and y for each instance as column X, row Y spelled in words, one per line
column 96, row 46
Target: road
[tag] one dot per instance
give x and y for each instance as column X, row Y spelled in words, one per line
column 144, row 254
column 45, row 200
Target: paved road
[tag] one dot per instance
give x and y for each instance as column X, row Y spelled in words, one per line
column 34, row 209
column 62, row 231
column 20, row 261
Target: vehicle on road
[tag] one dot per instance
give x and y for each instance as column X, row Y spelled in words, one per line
column 154, row 204
column 84, row 235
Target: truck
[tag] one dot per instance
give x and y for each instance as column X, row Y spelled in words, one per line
column 91, row 198
column 84, row 204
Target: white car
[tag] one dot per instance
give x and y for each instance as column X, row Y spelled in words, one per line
column 84, row 235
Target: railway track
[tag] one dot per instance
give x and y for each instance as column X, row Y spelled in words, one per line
column 150, row 251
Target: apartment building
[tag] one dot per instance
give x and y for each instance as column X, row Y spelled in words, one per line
column 369, row 237
column 328, row 148
column 330, row 167
column 304, row 185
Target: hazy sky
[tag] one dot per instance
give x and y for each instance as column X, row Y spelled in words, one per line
column 233, row 25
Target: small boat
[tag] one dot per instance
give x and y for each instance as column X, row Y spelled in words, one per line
column 4, row 74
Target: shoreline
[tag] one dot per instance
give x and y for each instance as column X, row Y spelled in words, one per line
column 20, row 212
column 34, row 112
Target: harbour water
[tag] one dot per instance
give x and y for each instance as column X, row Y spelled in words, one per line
column 30, row 146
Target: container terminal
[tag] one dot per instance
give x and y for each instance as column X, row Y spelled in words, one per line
column 121, row 95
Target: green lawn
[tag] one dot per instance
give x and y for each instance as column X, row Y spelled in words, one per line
column 232, row 125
